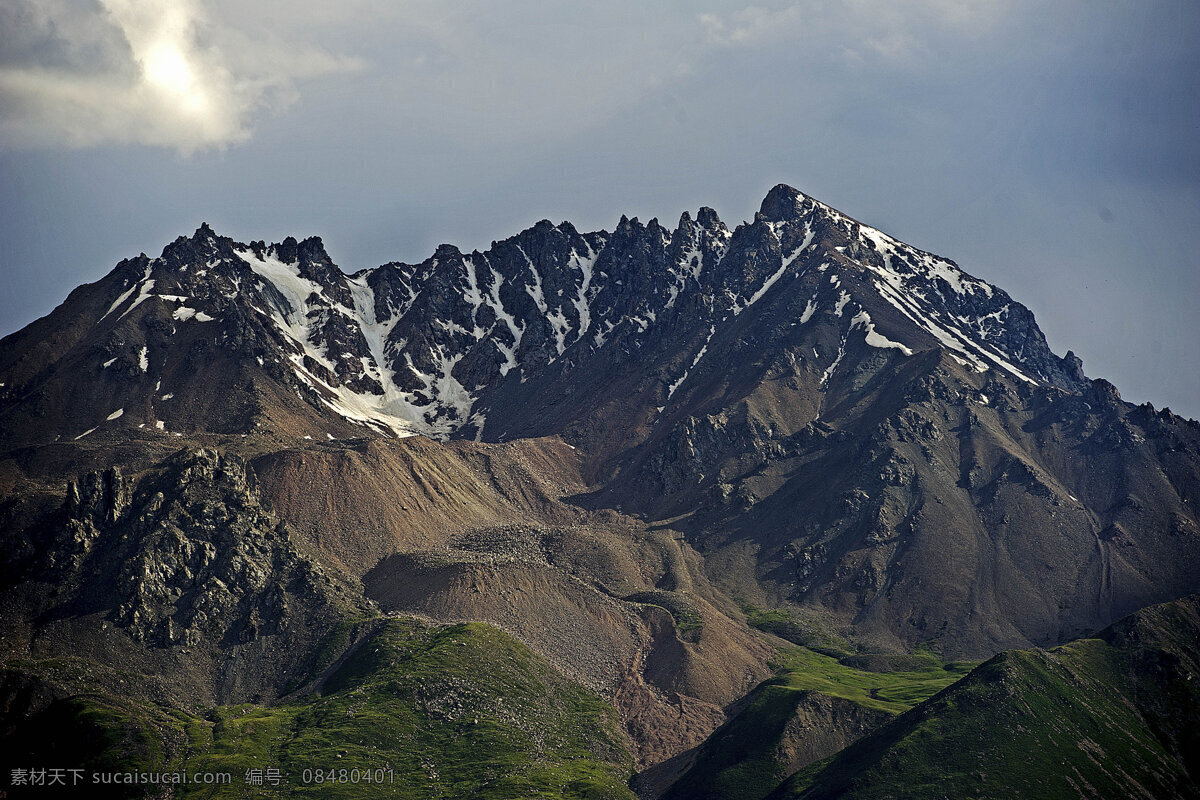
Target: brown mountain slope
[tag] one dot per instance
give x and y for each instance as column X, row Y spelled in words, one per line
column 450, row 532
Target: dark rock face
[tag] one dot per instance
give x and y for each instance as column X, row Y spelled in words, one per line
column 182, row 557
column 205, row 560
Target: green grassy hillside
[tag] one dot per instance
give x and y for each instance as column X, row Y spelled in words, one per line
column 1113, row 716
column 464, row 711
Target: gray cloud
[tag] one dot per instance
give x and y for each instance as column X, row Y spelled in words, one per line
column 158, row 72
column 74, row 37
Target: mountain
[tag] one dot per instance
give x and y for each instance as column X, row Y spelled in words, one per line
column 640, row 452
column 718, row 379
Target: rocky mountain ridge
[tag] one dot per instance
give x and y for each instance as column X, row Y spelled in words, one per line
column 442, row 347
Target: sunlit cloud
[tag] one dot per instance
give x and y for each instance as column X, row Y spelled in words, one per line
column 153, row 72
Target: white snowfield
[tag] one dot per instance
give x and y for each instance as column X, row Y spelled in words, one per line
column 295, row 319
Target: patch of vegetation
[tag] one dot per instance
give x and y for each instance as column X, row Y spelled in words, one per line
column 97, row 733
column 890, row 662
column 741, row 759
column 464, row 711
column 687, row 617
column 790, row 626
column 893, row 692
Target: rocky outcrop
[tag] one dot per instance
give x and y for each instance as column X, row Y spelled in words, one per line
column 200, row 558
column 185, row 556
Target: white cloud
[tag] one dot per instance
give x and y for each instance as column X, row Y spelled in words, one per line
column 155, row 72
column 751, row 25
column 893, row 31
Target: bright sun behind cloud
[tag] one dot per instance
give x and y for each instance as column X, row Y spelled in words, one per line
column 172, row 73
column 161, row 37
column 166, row 68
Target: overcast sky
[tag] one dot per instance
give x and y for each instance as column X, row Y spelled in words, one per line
column 1050, row 148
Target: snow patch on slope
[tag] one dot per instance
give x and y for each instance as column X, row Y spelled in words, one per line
column 586, row 266
column 392, row 411
column 703, row 349
column 809, row 309
column 125, row 295
column 776, row 275
column 863, row 320
column 144, row 293
column 502, row 314
column 184, row 313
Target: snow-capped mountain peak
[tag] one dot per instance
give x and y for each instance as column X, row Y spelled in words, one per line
column 436, row 348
